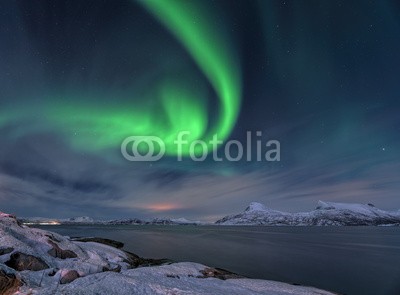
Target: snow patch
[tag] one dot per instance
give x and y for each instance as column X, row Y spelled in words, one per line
column 254, row 206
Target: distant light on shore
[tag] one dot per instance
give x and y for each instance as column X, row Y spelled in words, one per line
column 42, row 223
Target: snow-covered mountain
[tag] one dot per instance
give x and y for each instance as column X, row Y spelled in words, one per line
column 169, row 221
column 126, row 221
column 155, row 221
column 326, row 213
column 83, row 219
column 87, row 220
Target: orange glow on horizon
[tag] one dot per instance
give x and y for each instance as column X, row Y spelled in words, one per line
column 161, row 207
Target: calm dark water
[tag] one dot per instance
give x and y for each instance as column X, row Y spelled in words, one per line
column 347, row 260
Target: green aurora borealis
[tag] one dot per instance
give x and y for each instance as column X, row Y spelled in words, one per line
column 174, row 105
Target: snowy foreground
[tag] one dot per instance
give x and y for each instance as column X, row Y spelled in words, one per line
column 326, row 213
column 34, row 261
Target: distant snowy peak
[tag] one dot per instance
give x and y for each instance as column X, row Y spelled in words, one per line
column 254, row 206
column 127, row 221
column 83, row 219
column 361, row 208
column 168, row 221
column 326, row 213
column 258, row 208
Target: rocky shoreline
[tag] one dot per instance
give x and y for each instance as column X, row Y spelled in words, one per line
column 35, row 261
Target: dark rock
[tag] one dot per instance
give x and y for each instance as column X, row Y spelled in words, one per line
column 53, row 238
column 136, row 261
column 57, row 252
column 154, row 262
column 115, row 269
column 132, row 259
column 7, row 250
column 107, row 242
column 9, row 283
column 53, row 272
column 20, row 261
column 219, row 273
column 69, row 276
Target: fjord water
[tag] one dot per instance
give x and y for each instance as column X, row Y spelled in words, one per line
column 347, row 260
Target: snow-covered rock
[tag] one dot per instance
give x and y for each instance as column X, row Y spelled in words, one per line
column 326, row 213
column 254, row 206
column 35, row 261
column 178, row 279
column 51, row 249
column 41, row 256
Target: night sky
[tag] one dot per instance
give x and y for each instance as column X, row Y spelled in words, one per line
column 78, row 77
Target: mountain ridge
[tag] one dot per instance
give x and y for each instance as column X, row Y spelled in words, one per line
column 88, row 220
column 326, row 213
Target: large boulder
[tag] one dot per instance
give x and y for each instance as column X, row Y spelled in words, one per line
column 20, row 261
column 135, row 261
column 68, row 276
column 57, row 252
column 9, row 283
column 218, row 273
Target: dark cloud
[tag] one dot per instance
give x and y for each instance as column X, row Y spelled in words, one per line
column 41, row 175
